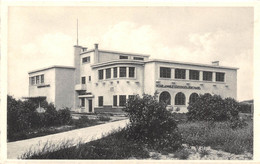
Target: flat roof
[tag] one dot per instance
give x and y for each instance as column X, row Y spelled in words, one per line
column 116, row 52
column 187, row 63
column 121, row 61
column 51, row 67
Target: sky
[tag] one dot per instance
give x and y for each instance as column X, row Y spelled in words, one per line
column 43, row 36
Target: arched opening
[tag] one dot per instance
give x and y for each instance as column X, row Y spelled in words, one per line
column 165, row 97
column 180, row 99
column 193, row 97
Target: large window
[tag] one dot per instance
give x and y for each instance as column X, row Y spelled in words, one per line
column 100, row 74
column 86, row 59
column 37, row 79
column 165, row 72
column 122, row 100
column 138, row 58
column 42, row 79
column 165, row 98
column 108, row 73
column 115, row 72
column 123, row 57
column 122, row 72
column 220, row 76
column 207, row 76
column 180, row 73
column 131, row 71
column 83, row 80
column 180, row 99
column 115, row 100
column 194, row 75
column 32, row 80
column 193, row 97
column 100, row 100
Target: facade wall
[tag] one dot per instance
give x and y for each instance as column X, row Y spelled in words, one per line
column 49, row 82
column 224, row 89
column 149, row 78
column 64, row 88
column 117, row 86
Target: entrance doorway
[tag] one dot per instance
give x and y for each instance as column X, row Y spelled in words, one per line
column 165, row 97
column 90, row 105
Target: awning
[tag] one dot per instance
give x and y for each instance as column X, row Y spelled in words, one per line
column 86, row 96
column 35, row 97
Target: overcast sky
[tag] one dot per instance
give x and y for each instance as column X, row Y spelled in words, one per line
column 44, row 36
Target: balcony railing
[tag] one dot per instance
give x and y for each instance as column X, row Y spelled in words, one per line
column 79, row 87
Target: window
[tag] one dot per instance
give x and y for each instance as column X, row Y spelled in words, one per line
column 180, row 74
column 82, row 102
column 220, row 76
column 83, row 80
column 131, row 96
column 131, row 71
column 194, row 75
column 165, row 72
column 37, row 79
column 115, row 100
column 89, row 78
column 108, row 73
column 123, row 57
column 42, row 79
column 122, row 100
column 115, row 72
column 207, row 76
column 86, row 59
column 122, row 72
column 165, row 98
column 138, row 58
column 32, row 80
column 180, row 99
column 193, row 97
column 100, row 74
column 100, row 100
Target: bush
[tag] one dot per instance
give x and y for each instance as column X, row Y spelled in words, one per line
column 245, row 108
column 151, row 123
column 104, row 118
column 22, row 116
column 213, row 108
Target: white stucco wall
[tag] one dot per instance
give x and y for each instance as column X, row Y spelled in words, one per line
column 49, row 79
column 117, row 86
column 228, row 88
column 64, row 88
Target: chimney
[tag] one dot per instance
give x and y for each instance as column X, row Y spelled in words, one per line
column 96, row 46
column 215, row 63
column 96, row 54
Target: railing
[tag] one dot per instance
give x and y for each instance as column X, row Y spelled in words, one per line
column 79, row 87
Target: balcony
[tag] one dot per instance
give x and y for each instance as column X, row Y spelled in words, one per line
column 80, row 87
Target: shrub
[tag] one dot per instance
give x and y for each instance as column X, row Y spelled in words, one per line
column 104, row 118
column 151, row 123
column 213, row 108
column 22, row 116
column 245, row 108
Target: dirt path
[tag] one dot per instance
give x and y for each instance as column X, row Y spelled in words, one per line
column 17, row 148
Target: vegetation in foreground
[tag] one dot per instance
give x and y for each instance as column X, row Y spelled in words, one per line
column 218, row 135
column 153, row 128
column 24, row 122
column 113, row 146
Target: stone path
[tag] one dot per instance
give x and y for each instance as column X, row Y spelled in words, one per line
column 83, row 135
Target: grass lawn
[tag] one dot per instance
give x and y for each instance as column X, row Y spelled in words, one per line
column 114, row 146
column 82, row 122
column 218, row 136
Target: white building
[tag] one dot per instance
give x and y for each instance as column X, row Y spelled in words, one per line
column 102, row 81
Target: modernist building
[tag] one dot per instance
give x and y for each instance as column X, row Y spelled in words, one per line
column 103, row 80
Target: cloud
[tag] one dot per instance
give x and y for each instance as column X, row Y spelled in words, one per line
column 46, row 50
